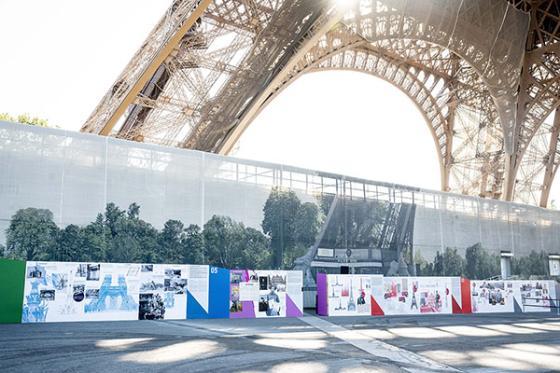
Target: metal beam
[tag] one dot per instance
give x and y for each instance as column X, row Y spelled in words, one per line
column 153, row 66
column 551, row 167
column 235, row 134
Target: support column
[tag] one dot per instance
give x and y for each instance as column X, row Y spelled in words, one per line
column 551, row 167
column 448, row 156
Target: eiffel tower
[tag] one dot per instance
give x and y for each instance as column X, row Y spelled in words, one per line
column 484, row 74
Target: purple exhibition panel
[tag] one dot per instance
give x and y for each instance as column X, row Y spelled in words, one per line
column 292, row 310
column 322, row 301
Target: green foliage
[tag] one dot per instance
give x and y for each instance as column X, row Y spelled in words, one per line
column 256, row 249
column 121, row 236
column 307, row 224
column 170, row 242
column 24, row 119
column 354, row 224
column 479, row 264
column 292, row 226
column 224, row 238
column 450, row 263
column 95, row 240
column 535, row 264
column 453, row 263
column 69, row 245
column 192, row 245
column 32, row 234
column 279, row 223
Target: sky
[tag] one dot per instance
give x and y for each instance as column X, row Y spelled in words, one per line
column 60, row 57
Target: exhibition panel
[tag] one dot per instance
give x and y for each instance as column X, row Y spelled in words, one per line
column 348, row 295
column 353, row 295
column 513, row 296
column 257, row 294
column 63, row 291
column 414, row 295
column 12, row 273
column 40, row 291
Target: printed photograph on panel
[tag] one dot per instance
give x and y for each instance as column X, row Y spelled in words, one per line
column 536, row 295
column 163, row 292
column 492, row 296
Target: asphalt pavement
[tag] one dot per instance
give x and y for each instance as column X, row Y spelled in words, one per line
column 469, row 343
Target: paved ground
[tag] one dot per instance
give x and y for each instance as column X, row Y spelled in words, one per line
column 310, row 344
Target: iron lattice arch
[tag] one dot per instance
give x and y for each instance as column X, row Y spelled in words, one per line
column 484, row 74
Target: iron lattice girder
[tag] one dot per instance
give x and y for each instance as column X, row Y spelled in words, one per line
column 539, row 97
column 215, row 81
column 181, row 15
column 438, row 82
column 484, row 33
column 271, row 51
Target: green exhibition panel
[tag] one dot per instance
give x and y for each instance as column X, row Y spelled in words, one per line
column 12, row 275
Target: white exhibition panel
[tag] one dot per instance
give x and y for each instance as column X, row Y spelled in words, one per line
column 492, row 296
column 61, row 291
column 285, row 284
column 414, row 295
column 502, row 296
column 262, row 293
column 536, row 296
column 350, row 295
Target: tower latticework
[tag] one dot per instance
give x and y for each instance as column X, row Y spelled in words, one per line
column 485, row 74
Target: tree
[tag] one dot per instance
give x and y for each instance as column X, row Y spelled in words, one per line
column 453, row 263
column 279, row 222
column 423, row 268
column 256, row 249
column 69, row 245
column 479, row 264
column 223, row 239
column 112, row 217
column 192, row 245
column 32, row 234
column 170, row 242
column 437, row 268
column 24, row 119
column 450, row 263
column 307, row 224
column 95, row 240
column 535, row 264
column 129, row 238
